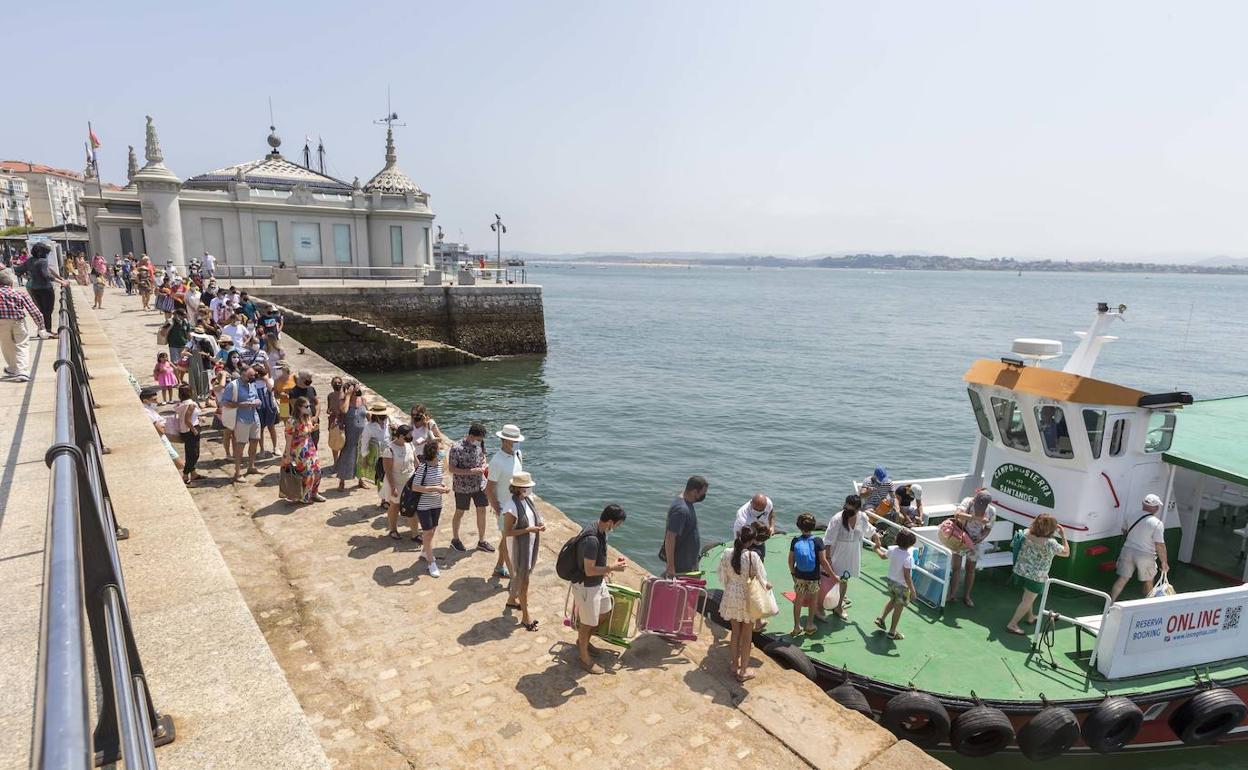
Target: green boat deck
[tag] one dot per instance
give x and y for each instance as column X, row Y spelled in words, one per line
column 968, row 649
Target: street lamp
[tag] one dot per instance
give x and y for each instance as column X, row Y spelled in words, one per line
column 499, row 228
column 65, row 223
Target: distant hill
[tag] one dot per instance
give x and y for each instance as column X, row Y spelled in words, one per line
column 1215, row 265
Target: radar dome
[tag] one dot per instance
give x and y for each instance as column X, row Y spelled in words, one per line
column 1038, row 349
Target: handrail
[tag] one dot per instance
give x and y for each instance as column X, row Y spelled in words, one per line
column 927, row 543
column 82, row 573
column 1044, row 598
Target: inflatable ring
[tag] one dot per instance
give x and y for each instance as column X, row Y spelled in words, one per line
column 1049, row 734
column 1208, row 716
column 1112, row 725
column 980, row 731
column 917, row 717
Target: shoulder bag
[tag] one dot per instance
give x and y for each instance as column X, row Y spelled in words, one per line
column 760, row 601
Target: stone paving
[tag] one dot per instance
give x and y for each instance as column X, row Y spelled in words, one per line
column 396, row 669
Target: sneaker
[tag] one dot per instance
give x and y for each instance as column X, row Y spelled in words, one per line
column 9, row 371
column 458, row 545
column 433, row 568
column 484, row 546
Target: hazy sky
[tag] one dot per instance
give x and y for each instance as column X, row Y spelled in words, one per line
column 1062, row 129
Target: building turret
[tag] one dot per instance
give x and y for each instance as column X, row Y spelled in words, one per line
column 158, row 195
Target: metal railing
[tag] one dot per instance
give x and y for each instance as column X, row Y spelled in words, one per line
column 931, row 561
column 344, row 273
column 1047, row 615
column 82, row 572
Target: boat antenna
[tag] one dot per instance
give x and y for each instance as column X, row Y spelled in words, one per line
column 1183, row 351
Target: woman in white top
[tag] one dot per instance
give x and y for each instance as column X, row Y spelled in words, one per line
column 399, row 460
column 523, row 524
column 423, row 426
column 372, row 441
column 736, row 567
column 843, row 542
column 427, row 480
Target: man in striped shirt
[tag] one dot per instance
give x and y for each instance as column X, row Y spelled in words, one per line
column 15, row 305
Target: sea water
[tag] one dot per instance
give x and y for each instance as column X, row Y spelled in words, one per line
column 794, row 382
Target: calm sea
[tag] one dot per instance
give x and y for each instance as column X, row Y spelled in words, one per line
column 795, row 381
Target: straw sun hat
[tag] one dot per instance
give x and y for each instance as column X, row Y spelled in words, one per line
column 510, row 433
column 522, row 479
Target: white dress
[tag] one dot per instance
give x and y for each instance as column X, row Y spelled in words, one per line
column 846, row 544
column 735, row 605
column 404, row 466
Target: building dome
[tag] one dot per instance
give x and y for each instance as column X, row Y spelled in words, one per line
column 271, row 172
column 390, row 180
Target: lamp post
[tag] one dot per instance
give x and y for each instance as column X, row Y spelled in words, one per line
column 65, row 223
column 499, row 228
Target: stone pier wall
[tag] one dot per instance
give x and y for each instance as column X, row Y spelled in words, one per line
column 485, row 320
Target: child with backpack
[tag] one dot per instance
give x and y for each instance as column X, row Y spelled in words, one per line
column 900, row 585
column 806, row 561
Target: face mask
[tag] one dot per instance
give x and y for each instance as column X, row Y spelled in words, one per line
column 701, row 497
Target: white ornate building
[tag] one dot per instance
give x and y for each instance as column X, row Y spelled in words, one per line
column 263, row 212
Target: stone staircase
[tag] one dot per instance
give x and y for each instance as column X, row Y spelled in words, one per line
column 353, row 344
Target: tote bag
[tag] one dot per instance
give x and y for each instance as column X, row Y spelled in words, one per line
column 288, row 484
column 760, row 601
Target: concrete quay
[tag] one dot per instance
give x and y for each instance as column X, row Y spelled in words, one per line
column 207, row 663
column 394, row 669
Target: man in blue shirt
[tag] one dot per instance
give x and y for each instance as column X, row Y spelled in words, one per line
column 241, row 394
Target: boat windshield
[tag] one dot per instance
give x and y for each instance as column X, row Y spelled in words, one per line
column 1160, row 432
column 1094, row 422
column 981, row 417
column 1010, row 423
column 1054, row 435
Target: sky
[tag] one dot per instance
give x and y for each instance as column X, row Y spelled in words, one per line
column 1068, row 130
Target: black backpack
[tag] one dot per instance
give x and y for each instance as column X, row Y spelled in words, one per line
column 568, row 565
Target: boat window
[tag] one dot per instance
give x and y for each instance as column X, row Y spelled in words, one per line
column 1160, row 432
column 1010, row 423
column 1118, row 437
column 1094, row 422
column 1054, row 435
column 981, row 417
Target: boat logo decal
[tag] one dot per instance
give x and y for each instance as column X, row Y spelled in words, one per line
column 1023, row 484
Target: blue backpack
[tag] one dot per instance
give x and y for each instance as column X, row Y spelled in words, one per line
column 804, row 557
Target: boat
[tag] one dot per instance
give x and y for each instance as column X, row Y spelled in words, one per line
column 1158, row 673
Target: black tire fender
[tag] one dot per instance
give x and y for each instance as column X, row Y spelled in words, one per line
column 710, row 607
column 917, row 717
column 1049, row 734
column 1208, row 716
column 1112, row 725
column 851, row 698
column 980, row 731
column 791, row 657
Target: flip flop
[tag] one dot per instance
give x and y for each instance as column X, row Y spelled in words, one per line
column 394, row 535
column 896, row 637
column 1018, row 632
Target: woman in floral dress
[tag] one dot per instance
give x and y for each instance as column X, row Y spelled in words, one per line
column 299, row 459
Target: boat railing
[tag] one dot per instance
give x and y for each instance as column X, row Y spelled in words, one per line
column 82, row 574
column 1048, row 615
column 932, row 561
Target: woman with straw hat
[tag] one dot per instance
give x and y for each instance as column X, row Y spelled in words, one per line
column 523, row 526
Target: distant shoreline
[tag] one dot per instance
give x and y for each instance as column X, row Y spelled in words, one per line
column 1023, row 267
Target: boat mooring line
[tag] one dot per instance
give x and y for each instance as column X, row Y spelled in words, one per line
column 922, row 666
column 1007, row 668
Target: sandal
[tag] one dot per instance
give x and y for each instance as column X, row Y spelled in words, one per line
column 394, row 535
column 532, row 626
column 896, row 636
column 1016, row 631
column 512, row 606
column 811, row 630
column 879, row 622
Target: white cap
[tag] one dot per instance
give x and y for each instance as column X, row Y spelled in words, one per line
column 1152, row 500
column 917, row 491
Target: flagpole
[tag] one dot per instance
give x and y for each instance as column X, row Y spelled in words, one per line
column 95, row 161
